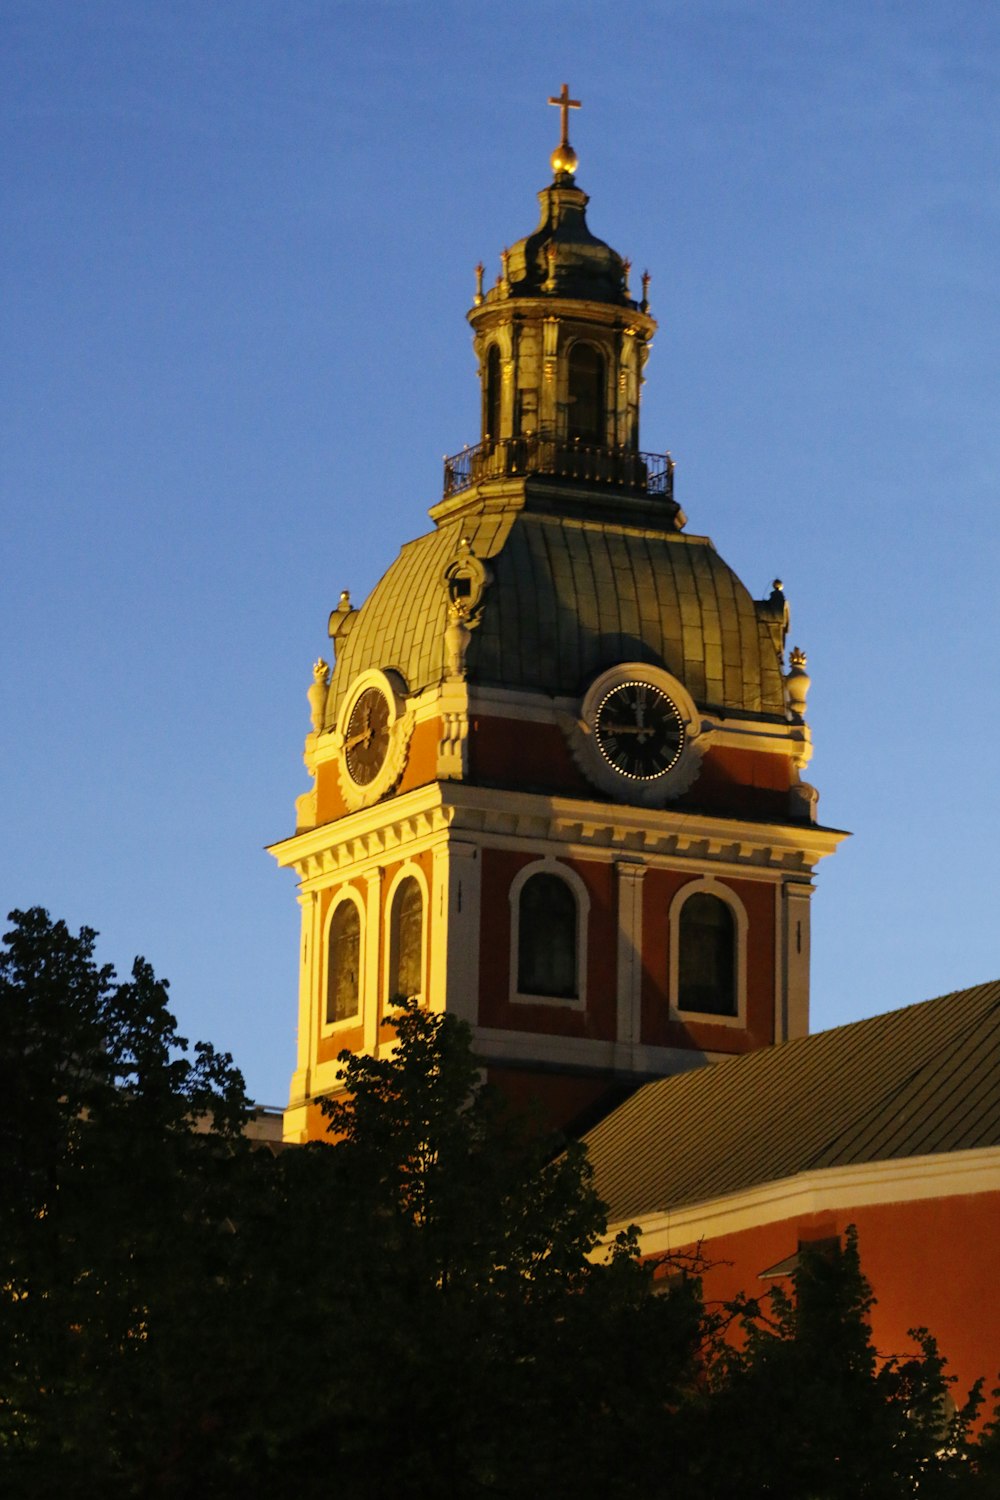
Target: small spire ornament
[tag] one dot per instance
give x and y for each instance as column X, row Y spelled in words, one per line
column 797, row 684
column 564, row 160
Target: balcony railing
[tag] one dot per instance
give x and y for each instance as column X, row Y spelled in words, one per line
column 624, row 468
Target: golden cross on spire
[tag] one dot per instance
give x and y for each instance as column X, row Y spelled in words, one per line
column 565, row 104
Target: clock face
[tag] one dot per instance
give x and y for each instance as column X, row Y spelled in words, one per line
column 638, row 730
column 366, row 742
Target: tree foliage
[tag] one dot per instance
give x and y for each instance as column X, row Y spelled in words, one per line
column 511, row 1349
column 417, row 1305
column 112, row 1209
column 851, row 1424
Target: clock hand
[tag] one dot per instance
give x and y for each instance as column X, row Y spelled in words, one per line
column 358, row 739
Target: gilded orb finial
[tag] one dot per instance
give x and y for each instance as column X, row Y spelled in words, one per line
column 564, row 159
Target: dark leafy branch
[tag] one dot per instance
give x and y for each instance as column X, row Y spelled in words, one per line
column 414, row 1306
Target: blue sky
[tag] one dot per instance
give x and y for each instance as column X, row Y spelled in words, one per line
column 238, row 248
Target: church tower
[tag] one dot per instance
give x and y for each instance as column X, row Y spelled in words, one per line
column 557, row 763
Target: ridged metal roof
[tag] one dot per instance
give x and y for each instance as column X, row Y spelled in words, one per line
column 562, row 258
column 570, row 597
column 912, row 1082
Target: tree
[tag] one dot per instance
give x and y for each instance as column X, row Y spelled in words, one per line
column 803, row 1406
column 418, row 1305
column 111, row 1205
column 409, row 1305
column 475, row 1346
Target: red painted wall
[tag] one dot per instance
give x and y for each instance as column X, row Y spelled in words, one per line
column 536, row 757
column 931, row 1263
column 532, row 757
column 743, row 783
column 558, row 1101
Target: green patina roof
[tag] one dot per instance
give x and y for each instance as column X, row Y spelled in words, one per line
column 912, row 1082
column 571, row 596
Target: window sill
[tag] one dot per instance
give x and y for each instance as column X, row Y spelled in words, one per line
column 705, row 1018
column 561, row 1002
column 349, row 1023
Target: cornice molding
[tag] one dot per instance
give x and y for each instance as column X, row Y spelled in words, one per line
column 432, row 813
column 494, row 1044
column 585, row 310
column 947, row 1174
column 618, row 827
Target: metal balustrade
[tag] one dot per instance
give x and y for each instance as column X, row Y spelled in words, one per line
column 624, row 468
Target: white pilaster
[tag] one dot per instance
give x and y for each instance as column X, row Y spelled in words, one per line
column 629, row 1015
column 455, row 912
column 437, row 931
column 370, row 979
column 310, row 974
column 793, row 960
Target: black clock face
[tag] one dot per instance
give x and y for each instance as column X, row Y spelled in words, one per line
column 367, row 740
column 638, row 730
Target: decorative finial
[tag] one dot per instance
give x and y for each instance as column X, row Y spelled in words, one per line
column 626, row 267
column 564, row 159
column 478, row 298
column 505, row 268
column 645, row 290
column 797, row 682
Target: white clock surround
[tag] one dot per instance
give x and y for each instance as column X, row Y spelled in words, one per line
column 586, row 752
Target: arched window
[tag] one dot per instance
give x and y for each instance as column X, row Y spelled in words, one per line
column 586, row 395
column 406, row 940
column 546, row 932
column 491, row 413
column 343, row 963
column 706, row 963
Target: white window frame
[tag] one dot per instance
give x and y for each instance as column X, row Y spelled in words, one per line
column 549, row 866
column 709, row 886
column 403, row 873
column 349, row 1023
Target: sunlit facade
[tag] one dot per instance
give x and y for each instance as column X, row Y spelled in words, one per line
column 557, row 762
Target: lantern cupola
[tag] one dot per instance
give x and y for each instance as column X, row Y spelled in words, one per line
column 561, row 344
